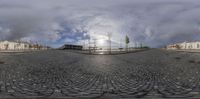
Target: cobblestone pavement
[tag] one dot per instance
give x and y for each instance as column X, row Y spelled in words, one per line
column 62, row 74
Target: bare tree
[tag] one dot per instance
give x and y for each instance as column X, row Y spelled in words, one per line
column 95, row 44
column 141, row 45
column 109, row 39
column 87, row 37
column 120, row 45
column 135, row 44
column 89, row 45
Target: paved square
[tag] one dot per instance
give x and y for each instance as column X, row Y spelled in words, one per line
column 63, row 74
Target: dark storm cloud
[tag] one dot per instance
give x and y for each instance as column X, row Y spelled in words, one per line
column 153, row 22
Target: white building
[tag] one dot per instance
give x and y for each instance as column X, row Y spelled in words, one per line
column 185, row 45
column 11, row 45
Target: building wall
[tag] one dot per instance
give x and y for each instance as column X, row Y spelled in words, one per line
column 7, row 45
column 185, row 45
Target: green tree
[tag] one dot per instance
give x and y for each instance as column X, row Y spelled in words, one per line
column 127, row 42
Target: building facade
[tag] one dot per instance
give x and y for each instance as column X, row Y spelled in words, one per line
column 185, row 45
column 11, row 45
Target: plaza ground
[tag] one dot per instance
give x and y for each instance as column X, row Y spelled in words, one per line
column 63, row 74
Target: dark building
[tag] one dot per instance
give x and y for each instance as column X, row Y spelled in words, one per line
column 71, row 47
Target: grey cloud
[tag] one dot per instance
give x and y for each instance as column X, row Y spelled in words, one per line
column 153, row 22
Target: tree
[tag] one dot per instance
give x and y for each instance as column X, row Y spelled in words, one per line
column 127, row 42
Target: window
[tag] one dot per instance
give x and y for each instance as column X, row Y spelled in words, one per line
column 197, row 45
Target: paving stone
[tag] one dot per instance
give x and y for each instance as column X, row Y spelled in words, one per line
column 148, row 74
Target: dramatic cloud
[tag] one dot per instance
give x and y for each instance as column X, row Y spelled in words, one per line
column 55, row 22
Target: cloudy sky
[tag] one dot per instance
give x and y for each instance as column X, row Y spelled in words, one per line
column 55, row 22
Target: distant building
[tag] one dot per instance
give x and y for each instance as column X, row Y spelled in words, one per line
column 71, row 47
column 185, row 45
column 18, row 45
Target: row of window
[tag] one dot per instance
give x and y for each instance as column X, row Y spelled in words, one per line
column 190, row 46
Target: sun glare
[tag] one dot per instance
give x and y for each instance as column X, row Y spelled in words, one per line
column 101, row 42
